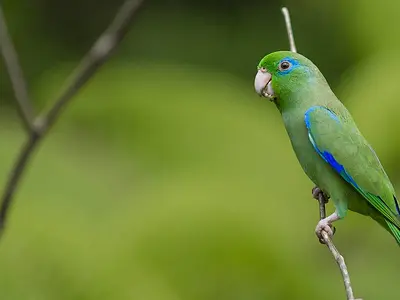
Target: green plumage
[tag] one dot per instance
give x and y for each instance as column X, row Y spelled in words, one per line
column 330, row 148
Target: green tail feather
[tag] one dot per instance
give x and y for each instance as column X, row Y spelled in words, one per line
column 395, row 231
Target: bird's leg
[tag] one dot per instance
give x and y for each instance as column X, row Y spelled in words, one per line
column 323, row 199
column 325, row 225
column 316, row 191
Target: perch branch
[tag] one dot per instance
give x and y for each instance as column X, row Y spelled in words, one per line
column 99, row 53
column 289, row 29
column 321, row 197
column 15, row 73
column 335, row 252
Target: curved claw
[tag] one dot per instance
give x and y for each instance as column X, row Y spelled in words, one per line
column 333, row 228
column 326, row 225
column 323, row 225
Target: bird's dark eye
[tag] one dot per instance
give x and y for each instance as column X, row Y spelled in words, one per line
column 285, row 65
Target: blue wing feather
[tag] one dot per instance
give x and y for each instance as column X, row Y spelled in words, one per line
column 340, row 169
column 326, row 155
column 397, row 204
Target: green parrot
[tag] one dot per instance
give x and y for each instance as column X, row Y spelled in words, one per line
column 329, row 146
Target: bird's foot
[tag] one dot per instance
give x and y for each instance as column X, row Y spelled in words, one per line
column 323, row 225
column 326, row 225
column 316, row 191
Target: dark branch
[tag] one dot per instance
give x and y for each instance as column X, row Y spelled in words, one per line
column 98, row 54
column 14, row 177
column 16, row 75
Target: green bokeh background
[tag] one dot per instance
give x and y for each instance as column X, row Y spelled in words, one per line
column 167, row 177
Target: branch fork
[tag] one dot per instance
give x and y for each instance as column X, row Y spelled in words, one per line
column 37, row 126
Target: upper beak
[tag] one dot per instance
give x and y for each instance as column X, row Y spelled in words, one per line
column 262, row 84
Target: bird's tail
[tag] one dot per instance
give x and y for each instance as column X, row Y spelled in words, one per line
column 394, row 230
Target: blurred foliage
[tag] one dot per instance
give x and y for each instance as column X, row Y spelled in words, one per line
column 167, row 177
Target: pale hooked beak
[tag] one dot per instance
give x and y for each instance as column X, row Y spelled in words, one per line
column 262, row 84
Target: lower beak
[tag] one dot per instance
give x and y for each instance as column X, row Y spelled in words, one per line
column 262, row 84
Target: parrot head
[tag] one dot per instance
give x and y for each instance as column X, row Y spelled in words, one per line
column 283, row 73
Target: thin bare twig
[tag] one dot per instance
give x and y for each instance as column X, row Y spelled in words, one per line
column 16, row 75
column 335, row 252
column 321, row 197
column 98, row 54
column 289, row 29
